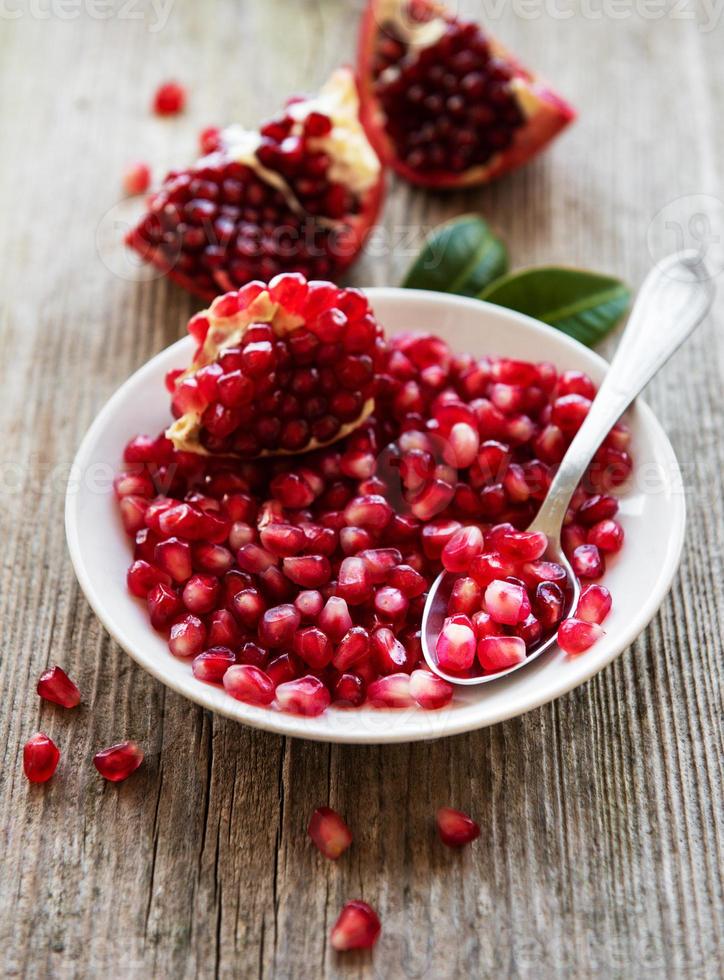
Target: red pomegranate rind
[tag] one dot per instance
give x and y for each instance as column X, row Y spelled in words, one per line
column 280, row 369
column 329, row 832
column 443, row 102
column 300, row 195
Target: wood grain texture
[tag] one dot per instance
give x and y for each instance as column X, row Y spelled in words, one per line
column 601, row 854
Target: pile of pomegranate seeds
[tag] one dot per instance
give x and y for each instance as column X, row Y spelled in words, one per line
column 298, row 582
column 169, row 99
column 278, row 369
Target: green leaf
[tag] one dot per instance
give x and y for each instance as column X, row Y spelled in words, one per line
column 582, row 304
column 461, row 256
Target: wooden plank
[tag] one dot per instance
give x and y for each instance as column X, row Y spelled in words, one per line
column 602, row 846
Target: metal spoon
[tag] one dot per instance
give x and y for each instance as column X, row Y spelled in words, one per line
column 674, row 299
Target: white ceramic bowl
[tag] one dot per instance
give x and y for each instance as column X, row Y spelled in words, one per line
column 652, row 513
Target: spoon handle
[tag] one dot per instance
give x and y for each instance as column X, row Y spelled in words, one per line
column 674, row 299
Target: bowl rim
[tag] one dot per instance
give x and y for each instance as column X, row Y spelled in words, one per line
column 280, row 723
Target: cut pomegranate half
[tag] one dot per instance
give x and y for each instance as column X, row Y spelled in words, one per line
column 279, row 369
column 443, row 102
column 300, row 194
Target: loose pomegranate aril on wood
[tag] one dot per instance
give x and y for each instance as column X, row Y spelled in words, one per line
column 55, row 685
column 357, row 927
column 40, row 758
column 455, row 828
column 118, row 762
column 169, row 99
column 329, row 833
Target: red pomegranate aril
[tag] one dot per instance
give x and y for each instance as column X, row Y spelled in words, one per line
column 432, row 500
column 248, row 606
column 409, row 581
column 304, row 696
column 223, row 631
column 455, row 646
column 241, row 534
column 594, row 604
column 335, row 619
column 174, row 557
column 587, row 561
column 463, row 546
column 506, row 602
column 354, row 582
column 353, row 647
column 455, row 828
column 485, row 625
column 548, row 604
column 392, row 691
column 284, row 667
column 248, row 683
column 119, row 761
column 329, row 833
column 313, row 647
column 488, row 567
column 597, row 508
column 357, row 927
column 550, row 444
column 352, row 539
column 134, row 484
column 530, row 631
column 200, row 593
column 254, row 559
column 607, row 536
column 462, row 445
column 390, row 604
column 576, row 383
column 40, row 758
column 212, row 558
column 430, row 691
column 349, row 690
column 535, row 572
column 55, row 685
column 292, row 490
column 252, row 654
column 163, row 605
column 310, row 603
column 187, row 637
column 389, row 653
column 436, row 535
column 371, row 511
column 182, row 520
column 500, row 652
column 282, row 539
column 380, row 562
column 575, row 635
column 169, row 99
column 142, row 577
column 278, row 626
column 308, row 571
column 465, row 597
column 523, row 545
column 572, row 537
column 212, row 664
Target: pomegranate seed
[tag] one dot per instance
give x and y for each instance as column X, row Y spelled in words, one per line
column 212, row 664
column 380, row 562
column 252, row 558
column 392, row 691
column 569, row 411
column 353, row 581
column 594, row 604
column 313, row 646
column 174, row 557
column 455, row 828
column 462, row 445
column 597, row 508
column 507, row 603
column 607, row 536
column 530, row 631
column 429, row 690
column 535, row 572
column 142, row 577
column 465, row 598
column 253, row 655
column 485, row 625
column 187, row 637
column 572, row 536
column 548, row 604
column 309, row 603
column 489, row 566
column 163, row 605
column 309, row 571
column 133, row 513
column 329, row 833
column 212, row 558
column 248, row 683
column 55, row 685
column 389, row 653
column 432, row 500
column 463, row 546
column 576, row 635
column 304, row 696
column 500, row 652
column 349, row 690
column 248, row 606
column 200, row 593
column 455, row 646
column 133, row 484
column 357, row 927
column 371, row 511
column 283, row 668
column 169, row 99
column 523, row 545
column 352, row 540
column 576, row 383
column 282, row 539
column 223, row 631
column 278, row 626
column 352, row 648
column 209, row 139
column 390, row 604
column 587, row 561
column 136, row 178
column 118, row 762
column 40, row 758
column 435, row 536
column 407, row 580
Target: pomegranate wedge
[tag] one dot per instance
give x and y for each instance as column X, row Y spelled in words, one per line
column 299, row 194
column 443, row 102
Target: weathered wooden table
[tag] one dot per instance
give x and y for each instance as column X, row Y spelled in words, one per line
column 601, row 851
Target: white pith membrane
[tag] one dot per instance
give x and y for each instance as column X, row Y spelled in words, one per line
column 353, row 162
column 225, row 332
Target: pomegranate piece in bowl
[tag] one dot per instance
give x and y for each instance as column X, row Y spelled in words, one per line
column 279, row 369
column 299, row 194
column 443, row 102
